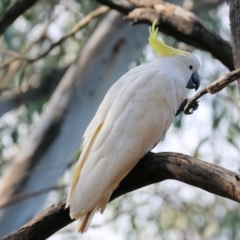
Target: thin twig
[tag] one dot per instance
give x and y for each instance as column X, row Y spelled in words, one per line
column 13, row 68
column 213, row 88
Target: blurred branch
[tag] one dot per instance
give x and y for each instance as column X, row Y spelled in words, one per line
column 179, row 23
column 13, row 68
column 45, row 89
column 212, row 88
column 12, row 59
column 99, row 11
column 96, row 13
column 24, row 196
column 13, row 12
column 153, row 168
column 16, row 60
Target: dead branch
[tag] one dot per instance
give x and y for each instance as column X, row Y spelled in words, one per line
column 212, row 88
column 151, row 169
column 185, row 26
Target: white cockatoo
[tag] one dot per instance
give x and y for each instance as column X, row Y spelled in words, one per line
column 132, row 118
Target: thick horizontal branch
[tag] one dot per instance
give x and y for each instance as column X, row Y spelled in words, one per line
column 185, row 26
column 13, row 12
column 151, row 169
column 212, row 88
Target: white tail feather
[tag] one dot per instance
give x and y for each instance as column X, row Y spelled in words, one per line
column 84, row 221
column 104, row 203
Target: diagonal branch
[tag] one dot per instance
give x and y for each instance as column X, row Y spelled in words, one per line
column 185, row 26
column 80, row 24
column 212, row 88
column 20, row 197
column 151, row 169
column 13, row 12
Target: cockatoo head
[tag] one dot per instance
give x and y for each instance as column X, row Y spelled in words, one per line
column 186, row 61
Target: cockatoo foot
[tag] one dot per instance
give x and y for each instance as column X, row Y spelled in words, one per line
column 192, row 106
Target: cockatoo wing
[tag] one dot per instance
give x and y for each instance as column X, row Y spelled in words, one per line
column 108, row 101
column 133, row 117
column 97, row 122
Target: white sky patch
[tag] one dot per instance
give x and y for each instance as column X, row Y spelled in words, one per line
column 21, row 24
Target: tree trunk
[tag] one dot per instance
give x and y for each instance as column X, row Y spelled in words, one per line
column 235, row 31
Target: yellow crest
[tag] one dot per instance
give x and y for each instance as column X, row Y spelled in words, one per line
column 159, row 47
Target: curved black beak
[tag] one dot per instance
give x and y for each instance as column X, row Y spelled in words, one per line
column 194, row 81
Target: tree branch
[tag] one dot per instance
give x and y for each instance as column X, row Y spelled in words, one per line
column 80, row 24
column 20, row 197
column 47, row 86
column 13, row 12
column 151, row 169
column 212, row 88
column 122, row 9
column 181, row 24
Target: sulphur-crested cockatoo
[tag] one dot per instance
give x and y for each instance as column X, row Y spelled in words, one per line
column 132, row 118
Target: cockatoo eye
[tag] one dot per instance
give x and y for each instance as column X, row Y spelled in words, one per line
column 191, row 67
